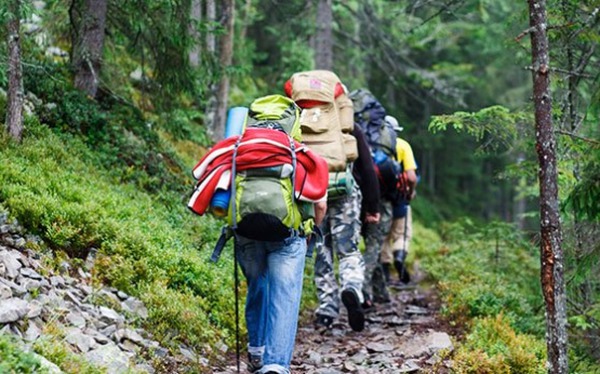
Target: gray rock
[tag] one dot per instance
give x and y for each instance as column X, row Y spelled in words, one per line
column 82, row 341
column 188, row 354
column 135, row 306
column 128, row 334
column 145, row 368
column 109, row 315
column 30, row 273
column 106, row 294
column 30, row 284
column 110, row 357
column 122, row 295
column 11, row 263
column 71, row 296
column 128, row 346
column 33, row 332
column 13, row 309
column 439, row 341
column 20, row 243
column 5, row 292
column 76, row 319
column 57, row 281
column 87, row 290
column 35, row 309
column 379, row 347
column 109, row 330
column 47, row 366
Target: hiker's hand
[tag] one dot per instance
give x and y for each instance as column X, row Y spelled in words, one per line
column 372, row 218
column 320, row 211
column 413, row 194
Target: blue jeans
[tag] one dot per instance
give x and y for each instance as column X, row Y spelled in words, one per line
column 274, row 271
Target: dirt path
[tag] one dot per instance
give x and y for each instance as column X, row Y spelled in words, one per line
column 404, row 336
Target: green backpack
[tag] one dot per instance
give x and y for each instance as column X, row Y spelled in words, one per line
column 264, row 207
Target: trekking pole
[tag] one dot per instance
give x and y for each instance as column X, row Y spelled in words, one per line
column 237, row 309
column 405, row 275
column 235, row 262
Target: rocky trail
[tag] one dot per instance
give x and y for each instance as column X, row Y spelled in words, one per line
column 102, row 324
column 404, row 336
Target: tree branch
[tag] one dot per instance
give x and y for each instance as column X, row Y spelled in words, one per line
column 592, row 141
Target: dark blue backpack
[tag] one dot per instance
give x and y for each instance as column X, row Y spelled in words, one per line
column 369, row 114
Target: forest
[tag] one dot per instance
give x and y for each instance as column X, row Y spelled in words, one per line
column 107, row 105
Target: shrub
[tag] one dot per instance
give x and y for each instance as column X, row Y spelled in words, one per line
column 14, row 360
column 493, row 346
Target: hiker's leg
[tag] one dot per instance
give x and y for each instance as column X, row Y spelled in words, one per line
column 370, row 255
column 253, row 261
column 286, row 271
column 387, row 247
column 401, row 246
column 375, row 234
column 346, row 235
column 402, row 232
column 409, row 229
column 325, row 282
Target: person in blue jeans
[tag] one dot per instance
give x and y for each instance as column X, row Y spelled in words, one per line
column 274, row 272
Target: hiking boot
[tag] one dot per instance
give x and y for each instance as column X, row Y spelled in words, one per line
column 324, row 321
column 367, row 305
column 399, row 257
column 255, row 363
column 356, row 315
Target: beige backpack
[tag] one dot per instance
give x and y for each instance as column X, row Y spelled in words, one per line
column 327, row 118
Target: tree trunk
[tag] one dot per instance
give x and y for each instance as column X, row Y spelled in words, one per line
column 211, row 50
column 244, row 29
column 324, row 38
column 225, row 59
column 14, row 114
column 211, row 17
column 552, row 276
column 89, row 20
column 195, row 18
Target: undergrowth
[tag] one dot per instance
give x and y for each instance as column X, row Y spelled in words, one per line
column 157, row 251
column 488, row 279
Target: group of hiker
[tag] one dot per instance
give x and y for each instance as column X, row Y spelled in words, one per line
column 319, row 169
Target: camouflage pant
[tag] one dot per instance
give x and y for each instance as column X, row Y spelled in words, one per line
column 375, row 235
column 341, row 232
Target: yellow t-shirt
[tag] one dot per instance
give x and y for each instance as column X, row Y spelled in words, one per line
column 405, row 155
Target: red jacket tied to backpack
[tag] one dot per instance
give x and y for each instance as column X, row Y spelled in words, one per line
column 259, row 148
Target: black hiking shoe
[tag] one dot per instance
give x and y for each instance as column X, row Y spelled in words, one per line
column 324, row 321
column 255, row 363
column 356, row 315
column 399, row 257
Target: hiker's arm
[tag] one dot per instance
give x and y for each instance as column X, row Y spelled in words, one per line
column 320, row 211
column 411, row 178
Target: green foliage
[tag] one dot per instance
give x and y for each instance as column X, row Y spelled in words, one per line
column 144, row 243
column 495, row 123
column 584, row 199
column 14, row 360
column 124, row 141
column 53, row 347
column 493, row 346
